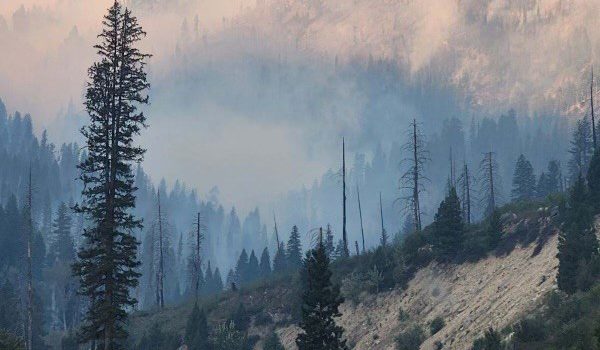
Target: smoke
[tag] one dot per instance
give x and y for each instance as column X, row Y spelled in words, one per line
column 254, row 96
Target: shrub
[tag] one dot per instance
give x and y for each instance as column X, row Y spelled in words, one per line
column 530, row 330
column 490, row 341
column 411, row 339
column 263, row 319
column 436, row 325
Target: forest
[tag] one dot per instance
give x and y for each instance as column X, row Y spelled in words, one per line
column 94, row 250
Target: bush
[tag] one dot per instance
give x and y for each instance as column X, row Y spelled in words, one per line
column 436, row 325
column 263, row 319
column 490, row 341
column 411, row 339
column 530, row 330
column 9, row 341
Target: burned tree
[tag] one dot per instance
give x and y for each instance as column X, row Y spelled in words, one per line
column 362, row 230
column 384, row 236
column 346, row 252
column 488, row 174
column 195, row 259
column 413, row 179
column 464, row 183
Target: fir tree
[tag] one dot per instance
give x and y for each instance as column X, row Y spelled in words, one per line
column 108, row 260
column 196, row 331
column 338, row 253
column 593, row 180
column 241, row 268
column 448, row 230
column 273, row 343
column 294, row 250
column 241, row 318
column 208, row 280
column 523, row 180
column 581, row 149
column 577, row 243
column 554, row 178
column 265, row 264
column 62, row 248
column 252, row 271
column 329, row 245
column 217, row 281
column 320, row 304
column 280, row 260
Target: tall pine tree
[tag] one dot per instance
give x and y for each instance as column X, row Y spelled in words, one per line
column 107, row 265
column 265, row 264
column 448, row 230
column 523, row 180
column 320, row 304
column 196, row 331
column 294, row 250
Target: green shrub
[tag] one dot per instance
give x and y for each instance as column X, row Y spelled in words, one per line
column 491, row 340
column 436, row 325
column 411, row 339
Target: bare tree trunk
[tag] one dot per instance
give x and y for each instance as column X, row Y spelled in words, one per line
column 344, row 234
column 197, row 261
column 161, row 266
column 362, row 230
column 467, row 203
column 592, row 110
column 416, row 205
column 29, row 266
column 491, row 180
column 276, row 232
column 383, row 233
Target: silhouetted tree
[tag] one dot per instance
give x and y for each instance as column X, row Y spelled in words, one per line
column 294, row 250
column 523, row 180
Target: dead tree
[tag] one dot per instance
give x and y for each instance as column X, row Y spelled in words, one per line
column 384, row 237
column 465, row 185
column 196, row 260
column 592, row 110
column 488, row 173
column 29, row 233
column 276, row 233
column 362, row 230
column 344, row 234
column 412, row 181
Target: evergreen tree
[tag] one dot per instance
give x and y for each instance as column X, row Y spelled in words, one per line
column 252, row 271
column 241, row 318
column 541, row 190
column 523, row 180
column 554, row 178
column 196, row 331
column 593, row 180
column 280, row 260
column 217, row 281
column 329, row 245
column 227, row 337
column 265, row 264
column 273, row 343
column 448, row 233
column 108, row 260
column 241, row 268
column 339, row 250
column 577, row 243
column 320, row 304
column 62, row 248
column 294, row 250
column 231, row 279
column 581, row 149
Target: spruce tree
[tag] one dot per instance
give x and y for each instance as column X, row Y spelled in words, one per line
column 62, row 248
column 217, row 281
column 196, row 331
column 265, row 264
column 208, row 280
column 593, row 180
column 577, row 242
column 280, row 260
column 554, row 177
column 294, row 250
column 241, row 268
column 252, row 270
column 329, row 245
column 107, row 265
column 523, row 180
column 448, row 233
column 273, row 343
column 320, row 304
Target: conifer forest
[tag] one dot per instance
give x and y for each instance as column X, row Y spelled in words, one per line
column 299, row 175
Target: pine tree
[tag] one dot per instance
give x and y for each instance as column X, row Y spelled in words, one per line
column 488, row 178
column 108, row 260
column 273, row 343
column 593, row 180
column 554, row 178
column 412, row 181
column 196, row 331
column 448, row 230
column 320, row 304
column 208, row 280
column 280, row 261
column 581, row 149
column 577, row 243
column 523, row 180
column 241, row 318
column 62, row 248
column 329, row 245
column 252, row 271
column 217, row 281
column 241, row 268
column 294, row 250
column 265, row 264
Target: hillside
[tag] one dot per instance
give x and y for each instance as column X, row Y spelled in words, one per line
column 470, row 297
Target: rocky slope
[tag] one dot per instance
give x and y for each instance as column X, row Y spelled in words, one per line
column 470, row 297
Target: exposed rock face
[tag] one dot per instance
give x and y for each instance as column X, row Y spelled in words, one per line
column 470, row 298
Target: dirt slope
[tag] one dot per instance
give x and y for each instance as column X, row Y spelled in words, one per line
column 470, row 297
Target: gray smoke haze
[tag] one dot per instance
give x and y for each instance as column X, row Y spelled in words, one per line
column 254, row 96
